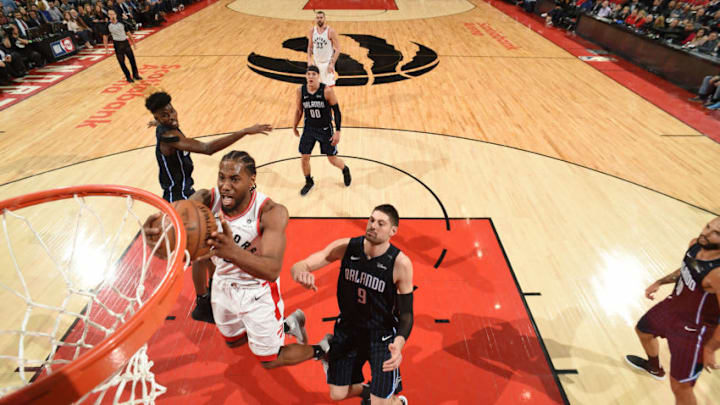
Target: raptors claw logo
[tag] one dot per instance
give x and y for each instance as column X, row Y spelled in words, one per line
column 385, row 61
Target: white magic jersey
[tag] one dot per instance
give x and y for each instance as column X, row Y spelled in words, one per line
column 322, row 47
column 245, row 228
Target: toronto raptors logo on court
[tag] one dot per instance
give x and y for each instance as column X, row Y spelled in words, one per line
column 388, row 64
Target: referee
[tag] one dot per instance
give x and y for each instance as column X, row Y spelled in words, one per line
column 120, row 37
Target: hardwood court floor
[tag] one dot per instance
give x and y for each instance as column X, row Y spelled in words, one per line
column 591, row 201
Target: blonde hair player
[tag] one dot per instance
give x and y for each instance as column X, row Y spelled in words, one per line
column 323, row 49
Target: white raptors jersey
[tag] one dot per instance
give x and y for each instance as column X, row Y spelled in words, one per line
column 246, row 233
column 322, row 47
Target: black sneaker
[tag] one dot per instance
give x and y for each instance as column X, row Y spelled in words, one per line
column 137, row 77
column 346, row 176
column 203, row 310
column 307, row 187
column 642, row 364
column 129, row 80
column 697, row 99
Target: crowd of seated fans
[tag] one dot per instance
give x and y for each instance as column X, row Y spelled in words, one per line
column 23, row 21
column 694, row 26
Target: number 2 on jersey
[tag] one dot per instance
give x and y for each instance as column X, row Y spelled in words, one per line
column 315, row 113
column 362, row 297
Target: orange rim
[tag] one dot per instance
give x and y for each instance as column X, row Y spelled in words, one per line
column 86, row 372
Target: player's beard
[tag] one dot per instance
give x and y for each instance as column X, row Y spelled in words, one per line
column 320, row 24
column 707, row 245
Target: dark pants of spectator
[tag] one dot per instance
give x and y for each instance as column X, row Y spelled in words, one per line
column 5, row 75
column 28, row 55
column 83, row 36
column 16, row 67
column 122, row 49
column 707, row 89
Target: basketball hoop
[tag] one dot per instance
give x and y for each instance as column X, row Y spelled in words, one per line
column 117, row 292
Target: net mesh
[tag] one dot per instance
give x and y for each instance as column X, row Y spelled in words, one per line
column 69, row 280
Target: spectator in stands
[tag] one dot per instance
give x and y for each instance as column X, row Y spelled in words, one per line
column 635, row 5
column 21, row 24
column 13, row 62
column 55, row 13
column 65, row 6
column 710, row 45
column 656, row 8
column 622, row 15
column 100, row 22
column 9, row 5
column 77, row 26
column 633, row 18
column 658, row 25
column 675, row 12
column 694, row 38
column 672, row 32
column 603, row 10
column 35, row 21
column 584, row 6
column 31, row 58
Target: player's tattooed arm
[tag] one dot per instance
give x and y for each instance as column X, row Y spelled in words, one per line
column 670, row 278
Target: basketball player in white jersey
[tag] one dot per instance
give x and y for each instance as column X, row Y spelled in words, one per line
column 323, row 49
column 246, row 301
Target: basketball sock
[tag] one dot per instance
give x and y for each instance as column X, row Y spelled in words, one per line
column 308, row 179
column 203, row 296
column 365, row 394
column 654, row 362
column 318, row 352
column 286, row 328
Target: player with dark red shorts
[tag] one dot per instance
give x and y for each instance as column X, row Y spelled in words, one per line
column 687, row 318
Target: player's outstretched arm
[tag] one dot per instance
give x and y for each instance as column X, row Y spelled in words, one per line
column 181, row 142
column 301, row 271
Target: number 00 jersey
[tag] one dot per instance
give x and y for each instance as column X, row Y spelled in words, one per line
column 315, row 107
column 246, row 233
column 366, row 292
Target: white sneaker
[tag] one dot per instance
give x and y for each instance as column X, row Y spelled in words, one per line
column 403, row 399
column 325, row 345
column 296, row 325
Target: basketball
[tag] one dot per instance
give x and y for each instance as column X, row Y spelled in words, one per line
column 199, row 224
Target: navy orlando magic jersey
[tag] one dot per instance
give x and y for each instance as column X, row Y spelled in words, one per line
column 366, row 292
column 315, row 107
column 175, row 169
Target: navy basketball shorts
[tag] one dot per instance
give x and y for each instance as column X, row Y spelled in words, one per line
column 685, row 338
column 350, row 348
column 321, row 135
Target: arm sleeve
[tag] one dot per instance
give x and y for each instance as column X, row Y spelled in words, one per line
column 405, row 314
column 337, row 116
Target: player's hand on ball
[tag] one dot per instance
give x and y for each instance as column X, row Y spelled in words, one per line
column 306, row 279
column 650, row 291
column 295, row 131
column 395, row 354
column 709, row 360
column 152, row 234
column 259, row 129
column 221, row 244
column 335, row 138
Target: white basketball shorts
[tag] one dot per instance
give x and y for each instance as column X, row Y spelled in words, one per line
column 326, row 78
column 253, row 310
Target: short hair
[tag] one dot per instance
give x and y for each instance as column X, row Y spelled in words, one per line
column 320, row 12
column 157, row 101
column 313, row 68
column 241, row 157
column 390, row 211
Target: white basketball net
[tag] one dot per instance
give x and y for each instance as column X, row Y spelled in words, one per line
column 68, row 285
